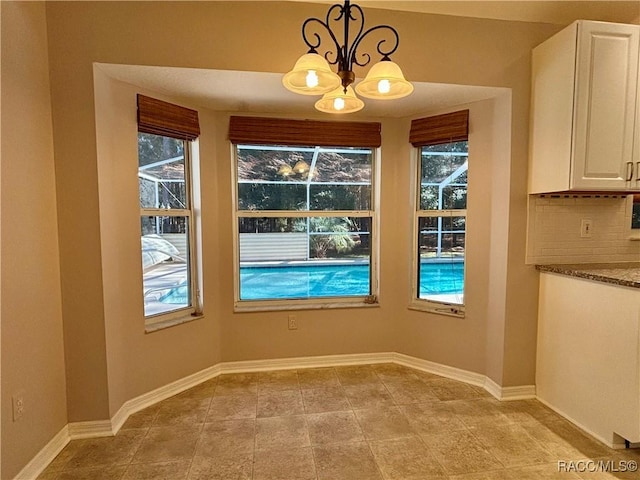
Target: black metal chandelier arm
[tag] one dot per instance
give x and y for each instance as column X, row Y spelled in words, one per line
column 318, row 40
column 353, row 52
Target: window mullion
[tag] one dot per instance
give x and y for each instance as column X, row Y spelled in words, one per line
column 164, row 212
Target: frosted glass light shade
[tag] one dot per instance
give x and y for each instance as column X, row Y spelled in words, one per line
column 338, row 101
column 311, row 75
column 384, row 81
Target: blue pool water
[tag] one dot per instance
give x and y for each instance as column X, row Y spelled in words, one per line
column 311, row 281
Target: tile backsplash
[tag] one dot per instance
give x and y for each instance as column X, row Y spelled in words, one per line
column 554, row 229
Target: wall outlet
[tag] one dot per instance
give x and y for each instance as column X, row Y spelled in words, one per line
column 18, row 405
column 586, row 226
column 293, row 322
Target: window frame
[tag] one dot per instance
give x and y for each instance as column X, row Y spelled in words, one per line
column 371, row 300
column 415, row 302
column 179, row 315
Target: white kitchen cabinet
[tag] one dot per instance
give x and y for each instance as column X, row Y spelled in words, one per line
column 588, row 355
column 583, row 110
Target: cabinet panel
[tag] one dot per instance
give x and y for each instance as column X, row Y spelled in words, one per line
column 588, row 354
column 606, row 83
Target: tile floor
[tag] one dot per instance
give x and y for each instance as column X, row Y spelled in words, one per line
column 346, row 423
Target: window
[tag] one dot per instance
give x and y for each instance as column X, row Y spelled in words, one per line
column 305, row 221
column 440, row 213
column 635, row 212
column 167, row 227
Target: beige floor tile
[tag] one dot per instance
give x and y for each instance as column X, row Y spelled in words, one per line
column 282, row 432
column 225, row 437
column 278, row 381
column 167, row 444
column 313, row 378
column 294, row 463
column 158, row 471
column 368, row 395
column 564, row 440
column 109, row 472
column 460, row 452
column 334, row 427
column 236, row 384
column 622, row 466
column 522, row 411
column 232, row 407
column 479, row 412
column 107, row 451
column 349, row 461
column 432, row 417
column 390, row 371
column 202, row 391
column 383, row 423
column 231, row 466
column 178, row 410
column 142, row 419
column 65, row 455
column 446, row 389
column 406, row 459
column 49, row 475
column 410, row 391
column 280, row 403
column 325, row 399
column 512, row 445
column 356, row 375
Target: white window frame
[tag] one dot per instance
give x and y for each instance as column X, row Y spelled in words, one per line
column 371, row 300
column 423, row 304
column 194, row 310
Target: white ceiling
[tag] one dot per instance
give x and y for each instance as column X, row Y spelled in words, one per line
column 543, row 11
column 260, row 92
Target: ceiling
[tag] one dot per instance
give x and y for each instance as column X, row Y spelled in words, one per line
column 543, row 11
column 236, row 91
column 260, row 92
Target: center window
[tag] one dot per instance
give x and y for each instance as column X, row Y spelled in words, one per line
column 305, row 222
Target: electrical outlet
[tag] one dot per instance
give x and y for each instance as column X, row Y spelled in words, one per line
column 18, row 406
column 586, row 226
column 293, row 322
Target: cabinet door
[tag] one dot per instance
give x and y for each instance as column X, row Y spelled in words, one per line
column 605, row 103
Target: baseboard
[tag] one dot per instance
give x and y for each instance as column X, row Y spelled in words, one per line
column 95, row 429
column 306, row 362
column 439, row 369
column 45, row 456
column 608, row 443
column 522, row 392
column 150, row 398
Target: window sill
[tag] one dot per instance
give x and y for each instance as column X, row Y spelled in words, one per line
column 172, row 322
column 438, row 308
column 248, row 306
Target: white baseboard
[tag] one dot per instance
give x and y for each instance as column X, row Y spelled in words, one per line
column 440, row 369
column 94, row 429
column 522, row 392
column 586, row 430
column 150, row 398
column 45, row 456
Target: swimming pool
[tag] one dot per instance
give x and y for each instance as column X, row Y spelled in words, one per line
column 313, row 281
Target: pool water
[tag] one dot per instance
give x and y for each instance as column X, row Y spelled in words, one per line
column 312, row 281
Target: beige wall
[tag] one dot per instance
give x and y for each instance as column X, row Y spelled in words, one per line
column 137, row 362
column 32, row 344
column 108, row 358
column 477, row 52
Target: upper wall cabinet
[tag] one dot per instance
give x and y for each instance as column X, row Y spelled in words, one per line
column 583, row 110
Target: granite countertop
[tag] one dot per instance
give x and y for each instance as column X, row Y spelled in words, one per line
column 625, row 274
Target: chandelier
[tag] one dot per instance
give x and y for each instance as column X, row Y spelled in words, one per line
column 312, row 74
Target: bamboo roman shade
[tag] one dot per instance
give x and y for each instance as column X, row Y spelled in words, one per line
column 447, row 128
column 167, row 119
column 279, row 131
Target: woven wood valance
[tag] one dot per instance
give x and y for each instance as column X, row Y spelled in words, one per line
column 167, row 119
column 447, row 128
column 279, row 131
